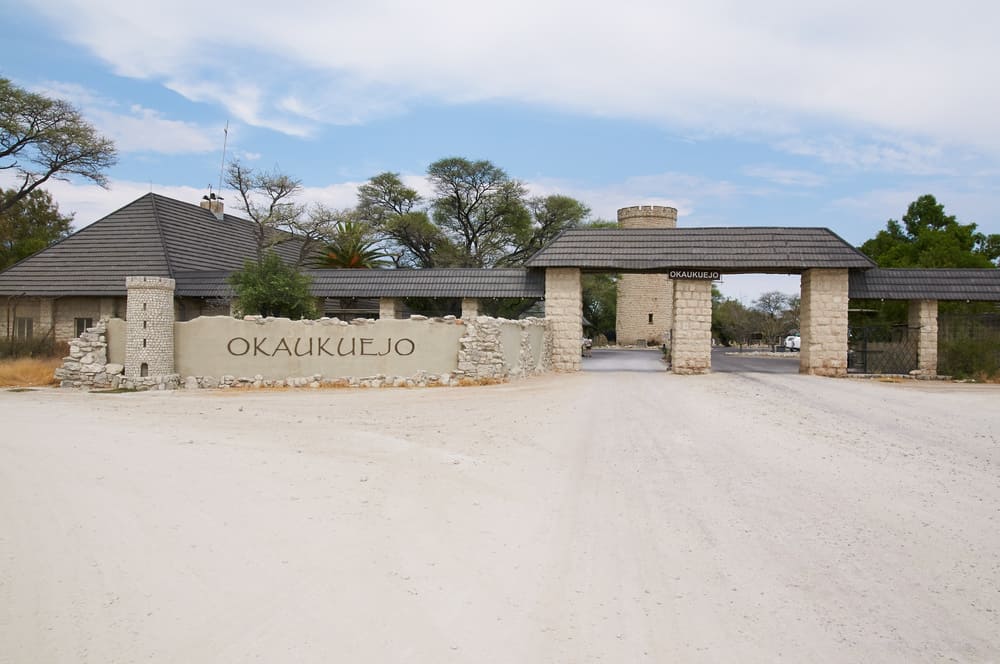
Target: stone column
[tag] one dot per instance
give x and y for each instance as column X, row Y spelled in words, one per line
column 824, row 323
column 691, row 346
column 390, row 307
column 645, row 301
column 564, row 313
column 470, row 308
column 923, row 316
column 149, row 345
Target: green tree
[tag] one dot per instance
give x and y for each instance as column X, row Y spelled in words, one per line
column 352, row 246
column 600, row 290
column 778, row 314
column 927, row 237
column 43, row 139
column 478, row 216
column 600, row 302
column 30, row 225
column 479, row 208
column 395, row 213
column 734, row 323
column 271, row 287
column 550, row 215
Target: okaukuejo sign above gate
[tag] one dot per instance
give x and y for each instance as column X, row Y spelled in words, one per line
column 709, row 275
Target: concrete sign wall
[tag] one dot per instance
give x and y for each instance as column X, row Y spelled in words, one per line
column 277, row 348
column 222, row 351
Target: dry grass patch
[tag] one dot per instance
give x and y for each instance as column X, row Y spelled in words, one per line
column 29, row 372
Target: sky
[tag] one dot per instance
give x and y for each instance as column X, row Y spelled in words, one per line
column 771, row 113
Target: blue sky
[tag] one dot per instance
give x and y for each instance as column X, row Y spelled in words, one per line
column 770, row 113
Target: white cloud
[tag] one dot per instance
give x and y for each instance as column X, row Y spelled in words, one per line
column 784, row 176
column 912, row 68
column 891, row 155
column 136, row 128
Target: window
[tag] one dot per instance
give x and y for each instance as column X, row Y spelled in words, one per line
column 650, row 319
column 23, row 327
column 82, row 324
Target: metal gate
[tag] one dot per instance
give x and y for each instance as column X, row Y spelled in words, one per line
column 882, row 349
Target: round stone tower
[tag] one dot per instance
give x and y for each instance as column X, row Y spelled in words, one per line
column 149, row 313
column 645, row 301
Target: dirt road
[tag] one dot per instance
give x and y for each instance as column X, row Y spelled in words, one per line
column 597, row 517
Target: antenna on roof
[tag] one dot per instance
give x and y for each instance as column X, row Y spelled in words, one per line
column 225, row 140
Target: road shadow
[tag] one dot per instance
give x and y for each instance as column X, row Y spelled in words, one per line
column 618, row 359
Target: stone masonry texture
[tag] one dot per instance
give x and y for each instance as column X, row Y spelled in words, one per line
column 824, row 322
column 564, row 312
column 923, row 314
column 642, row 295
column 691, row 347
column 389, row 307
column 470, row 307
column 150, row 321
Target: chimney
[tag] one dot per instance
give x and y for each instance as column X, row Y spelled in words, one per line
column 213, row 204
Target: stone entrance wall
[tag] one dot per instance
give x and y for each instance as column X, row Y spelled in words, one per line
column 223, row 351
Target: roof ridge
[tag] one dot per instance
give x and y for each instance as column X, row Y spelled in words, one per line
column 159, row 232
column 75, row 233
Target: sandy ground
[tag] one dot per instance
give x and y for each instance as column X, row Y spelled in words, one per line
column 597, row 517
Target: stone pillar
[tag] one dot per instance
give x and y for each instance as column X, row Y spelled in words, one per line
column 824, row 323
column 923, row 316
column 691, row 346
column 564, row 312
column 645, row 301
column 149, row 345
column 390, row 307
column 470, row 308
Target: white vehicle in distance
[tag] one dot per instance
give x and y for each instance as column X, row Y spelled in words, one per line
column 793, row 342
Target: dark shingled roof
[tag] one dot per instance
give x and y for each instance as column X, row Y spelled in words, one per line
column 926, row 284
column 151, row 236
column 438, row 282
column 733, row 250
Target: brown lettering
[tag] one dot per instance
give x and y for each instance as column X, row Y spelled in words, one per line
column 365, row 342
column 257, row 349
column 308, row 352
column 340, row 350
column 246, row 346
column 408, row 342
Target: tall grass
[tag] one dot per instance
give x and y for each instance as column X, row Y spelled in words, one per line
column 29, row 371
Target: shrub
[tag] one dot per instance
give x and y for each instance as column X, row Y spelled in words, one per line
column 273, row 288
column 968, row 358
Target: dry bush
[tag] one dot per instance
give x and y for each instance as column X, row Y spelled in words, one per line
column 29, row 372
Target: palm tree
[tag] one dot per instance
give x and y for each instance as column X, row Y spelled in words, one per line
column 351, row 247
